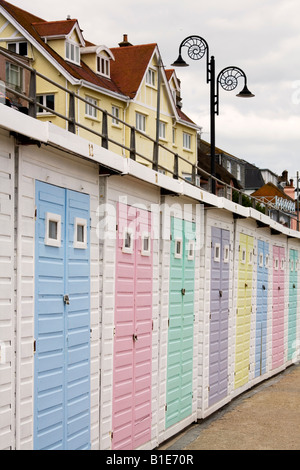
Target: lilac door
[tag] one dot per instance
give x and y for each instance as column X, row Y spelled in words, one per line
column 278, row 307
column 133, row 330
column 218, row 354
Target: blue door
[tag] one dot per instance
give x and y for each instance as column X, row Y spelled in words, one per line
column 62, row 320
column 262, row 308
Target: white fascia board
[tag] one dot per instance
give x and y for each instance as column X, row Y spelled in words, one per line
column 32, row 41
column 104, row 91
column 79, row 33
column 189, row 124
column 14, row 121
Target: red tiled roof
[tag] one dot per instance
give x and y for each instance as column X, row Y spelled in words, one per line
column 54, row 28
column 129, row 67
column 269, row 190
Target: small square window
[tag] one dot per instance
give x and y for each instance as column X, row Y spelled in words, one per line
column 52, row 229
column 191, row 250
column 146, row 244
column 267, row 261
column 217, row 253
column 127, row 240
column 80, row 233
column 178, row 248
column 226, row 254
column 243, row 260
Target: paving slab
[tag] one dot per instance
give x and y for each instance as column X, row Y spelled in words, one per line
column 267, row 417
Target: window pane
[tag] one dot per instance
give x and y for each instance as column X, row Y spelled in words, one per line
column 50, row 101
column 23, row 48
column 12, row 47
column 53, row 229
column 80, row 233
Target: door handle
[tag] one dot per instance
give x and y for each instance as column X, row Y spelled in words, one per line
column 220, row 293
column 264, row 287
column 66, row 299
column 134, row 337
column 183, row 291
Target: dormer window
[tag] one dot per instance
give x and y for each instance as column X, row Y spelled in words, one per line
column 73, row 52
column 103, row 66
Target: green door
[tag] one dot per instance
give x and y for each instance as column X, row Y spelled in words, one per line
column 292, row 328
column 181, row 322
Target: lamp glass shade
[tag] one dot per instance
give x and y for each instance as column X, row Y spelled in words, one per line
column 245, row 93
column 179, row 62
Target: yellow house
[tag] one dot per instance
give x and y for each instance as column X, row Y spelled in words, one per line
column 129, row 82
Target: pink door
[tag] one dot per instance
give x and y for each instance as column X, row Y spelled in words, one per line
column 278, row 307
column 133, row 330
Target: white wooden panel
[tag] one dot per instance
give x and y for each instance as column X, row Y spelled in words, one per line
column 7, row 281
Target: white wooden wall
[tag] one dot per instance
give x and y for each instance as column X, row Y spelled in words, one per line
column 7, row 301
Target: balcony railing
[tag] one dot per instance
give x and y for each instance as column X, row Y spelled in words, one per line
column 197, row 176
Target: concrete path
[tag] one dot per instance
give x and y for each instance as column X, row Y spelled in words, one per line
column 264, row 418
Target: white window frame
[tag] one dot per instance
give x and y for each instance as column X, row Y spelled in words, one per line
column 238, row 172
column 244, row 256
column 127, row 249
column 11, row 69
column 146, row 236
column 72, row 52
column 261, row 259
column 140, row 121
column 103, row 65
column 187, row 141
column 81, row 245
column 178, row 254
column 44, row 103
column 276, row 264
column 50, row 217
column 282, row 264
column 217, row 252
column 115, row 111
column 267, row 261
column 17, row 48
column 162, row 130
column 174, row 136
column 91, row 111
column 226, row 254
column 228, row 166
column 191, row 250
column 150, row 77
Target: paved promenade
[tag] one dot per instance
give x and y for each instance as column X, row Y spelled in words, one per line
column 264, row 418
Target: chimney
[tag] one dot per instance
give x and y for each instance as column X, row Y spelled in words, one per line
column 125, row 42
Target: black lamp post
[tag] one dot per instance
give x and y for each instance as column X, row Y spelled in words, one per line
column 227, row 78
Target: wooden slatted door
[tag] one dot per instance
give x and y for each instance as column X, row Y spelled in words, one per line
column 181, row 322
column 133, row 330
column 219, row 304
column 62, row 320
column 293, row 288
column 244, row 310
column 278, row 307
column 261, row 307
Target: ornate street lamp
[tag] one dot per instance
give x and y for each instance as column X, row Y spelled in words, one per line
column 197, row 47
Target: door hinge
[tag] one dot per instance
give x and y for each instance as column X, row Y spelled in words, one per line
column 35, row 213
column 111, row 435
column 166, row 407
column 168, row 322
column 114, row 331
column 34, row 346
column 152, row 325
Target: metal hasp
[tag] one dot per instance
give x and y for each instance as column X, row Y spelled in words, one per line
column 197, row 47
column 66, row 299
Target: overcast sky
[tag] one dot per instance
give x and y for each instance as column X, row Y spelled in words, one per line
column 262, row 37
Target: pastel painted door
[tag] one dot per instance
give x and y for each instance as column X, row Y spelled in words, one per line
column 244, row 310
column 219, row 310
column 133, row 330
column 278, row 306
column 293, row 288
column 261, row 307
column 181, row 322
column 62, row 320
